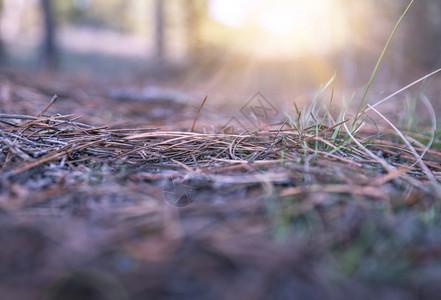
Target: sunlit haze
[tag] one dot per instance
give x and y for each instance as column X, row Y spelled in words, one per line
column 274, row 46
column 283, row 27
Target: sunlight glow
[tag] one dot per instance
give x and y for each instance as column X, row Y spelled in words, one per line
column 229, row 12
column 287, row 27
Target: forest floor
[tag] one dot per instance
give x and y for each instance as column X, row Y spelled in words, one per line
column 108, row 193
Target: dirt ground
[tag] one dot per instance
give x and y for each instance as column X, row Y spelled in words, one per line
column 126, row 203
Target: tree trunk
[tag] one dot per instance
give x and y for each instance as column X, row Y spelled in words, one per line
column 195, row 12
column 2, row 49
column 159, row 30
column 49, row 49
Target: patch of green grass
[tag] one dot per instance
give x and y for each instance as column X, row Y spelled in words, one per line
column 339, row 135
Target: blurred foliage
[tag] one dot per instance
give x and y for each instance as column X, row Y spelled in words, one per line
column 124, row 16
column 348, row 37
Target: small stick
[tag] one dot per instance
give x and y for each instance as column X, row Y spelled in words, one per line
column 54, row 98
column 197, row 115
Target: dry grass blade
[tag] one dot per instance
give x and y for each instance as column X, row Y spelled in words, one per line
column 392, row 175
column 39, row 141
column 386, row 166
column 403, row 89
column 61, row 152
column 367, row 191
column 316, row 136
column 197, row 114
column 15, row 149
column 409, row 145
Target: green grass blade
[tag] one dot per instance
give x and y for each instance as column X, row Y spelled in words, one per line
column 379, row 61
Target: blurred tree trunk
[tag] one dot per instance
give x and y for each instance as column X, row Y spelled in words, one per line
column 423, row 34
column 159, row 29
column 2, row 48
column 49, row 49
column 195, row 12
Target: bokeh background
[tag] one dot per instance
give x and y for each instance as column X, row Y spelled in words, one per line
column 283, row 48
